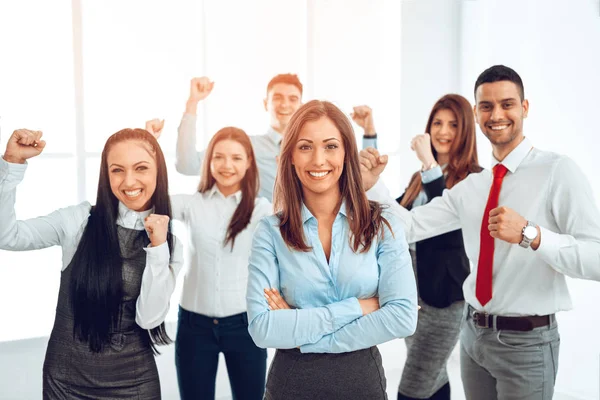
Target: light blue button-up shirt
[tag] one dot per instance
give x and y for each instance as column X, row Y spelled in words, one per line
column 326, row 315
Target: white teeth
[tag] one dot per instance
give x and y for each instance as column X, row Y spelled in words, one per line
column 499, row 128
column 443, row 141
column 318, row 174
column 133, row 193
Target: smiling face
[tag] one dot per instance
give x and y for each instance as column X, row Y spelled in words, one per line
column 444, row 128
column 228, row 165
column 132, row 173
column 318, row 157
column 282, row 101
column 500, row 112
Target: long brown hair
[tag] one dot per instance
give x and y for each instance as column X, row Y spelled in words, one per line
column 364, row 217
column 463, row 152
column 250, row 183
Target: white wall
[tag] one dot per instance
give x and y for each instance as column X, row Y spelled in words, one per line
column 555, row 46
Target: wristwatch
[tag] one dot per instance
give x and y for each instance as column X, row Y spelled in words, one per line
column 529, row 233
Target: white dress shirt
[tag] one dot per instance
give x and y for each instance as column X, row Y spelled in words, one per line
column 65, row 227
column 215, row 283
column 543, row 187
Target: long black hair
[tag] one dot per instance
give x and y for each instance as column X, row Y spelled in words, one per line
column 96, row 280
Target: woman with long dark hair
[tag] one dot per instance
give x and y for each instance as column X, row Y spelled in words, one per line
column 329, row 275
column 448, row 153
column 221, row 217
column 120, row 264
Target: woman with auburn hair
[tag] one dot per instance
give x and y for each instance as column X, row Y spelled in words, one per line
column 221, row 217
column 329, row 275
column 120, row 263
column 449, row 154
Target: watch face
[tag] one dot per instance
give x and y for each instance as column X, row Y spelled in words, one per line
column 530, row 232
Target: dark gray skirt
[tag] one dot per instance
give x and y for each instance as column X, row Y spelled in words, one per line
column 355, row 375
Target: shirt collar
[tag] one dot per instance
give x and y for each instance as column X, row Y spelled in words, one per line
column 306, row 214
column 132, row 219
column 214, row 191
column 274, row 135
column 515, row 157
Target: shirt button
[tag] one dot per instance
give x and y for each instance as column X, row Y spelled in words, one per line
column 216, row 321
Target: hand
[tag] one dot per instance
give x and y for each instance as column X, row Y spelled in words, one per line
column 157, row 227
column 363, row 116
column 22, row 145
column 275, row 300
column 155, row 127
column 421, row 144
column 371, row 166
column 506, row 224
column 369, row 305
column 200, row 88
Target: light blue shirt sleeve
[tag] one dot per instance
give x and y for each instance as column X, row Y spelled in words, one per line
column 431, row 174
column 369, row 142
column 285, row 329
column 397, row 317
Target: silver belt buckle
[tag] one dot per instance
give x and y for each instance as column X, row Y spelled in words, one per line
column 478, row 316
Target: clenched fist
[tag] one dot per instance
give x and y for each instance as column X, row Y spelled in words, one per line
column 200, row 88
column 363, row 116
column 372, row 165
column 155, row 127
column 421, row 144
column 22, row 145
column 157, row 227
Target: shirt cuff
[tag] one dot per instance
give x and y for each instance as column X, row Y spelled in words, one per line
column 550, row 244
column 369, row 142
column 11, row 174
column 344, row 312
column 431, row 174
column 157, row 258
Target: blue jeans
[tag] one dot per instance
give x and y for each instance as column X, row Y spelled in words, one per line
column 199, row 341
column 503, row 364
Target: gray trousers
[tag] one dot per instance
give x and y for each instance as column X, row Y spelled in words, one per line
column 508, row 365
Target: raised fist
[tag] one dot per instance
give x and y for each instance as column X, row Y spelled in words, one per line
column 200, row 88
column 155, row 127
column 22, row 145
column 157, row 227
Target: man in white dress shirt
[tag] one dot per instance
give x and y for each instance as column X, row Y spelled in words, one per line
column 527, row 224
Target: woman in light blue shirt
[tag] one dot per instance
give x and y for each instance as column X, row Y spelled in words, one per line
column 339, row 261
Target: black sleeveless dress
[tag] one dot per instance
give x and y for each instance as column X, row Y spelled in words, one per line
column 126, row 368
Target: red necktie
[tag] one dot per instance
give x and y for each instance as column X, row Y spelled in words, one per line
column 483, row 286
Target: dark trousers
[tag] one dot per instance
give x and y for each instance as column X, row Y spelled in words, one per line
column 199, row 341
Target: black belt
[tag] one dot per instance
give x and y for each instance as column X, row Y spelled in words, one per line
column 481, row 319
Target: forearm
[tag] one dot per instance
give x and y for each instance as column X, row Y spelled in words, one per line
column 291, row 328
column 188, row 159
column 158, row 284
column 396, row 319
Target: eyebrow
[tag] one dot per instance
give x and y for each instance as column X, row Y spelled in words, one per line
column 439, row 119
column 222, row 154
column 501, row 101
column 136, row 164
column 324, row 140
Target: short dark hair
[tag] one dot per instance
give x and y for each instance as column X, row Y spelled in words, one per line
column 499, row 73
column 290, row 79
